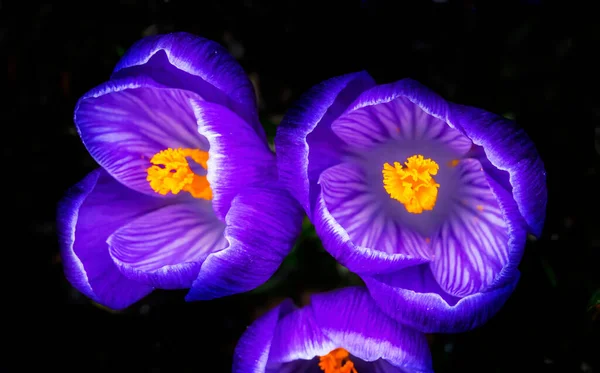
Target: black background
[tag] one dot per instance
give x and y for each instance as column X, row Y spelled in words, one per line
column 534, row 61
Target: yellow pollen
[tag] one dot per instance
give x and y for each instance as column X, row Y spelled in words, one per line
column 337, row 361
column 171, row 172
column 453, row 163
column 412, row 185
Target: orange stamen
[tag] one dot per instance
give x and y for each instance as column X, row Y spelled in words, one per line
column 337, row 361
column 412, row 185
column 171, row 172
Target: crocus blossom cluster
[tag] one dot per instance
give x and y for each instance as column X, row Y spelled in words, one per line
column 428, row 201
column 185, row 166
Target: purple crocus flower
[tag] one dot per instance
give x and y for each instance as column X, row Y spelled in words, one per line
column 342, row 331
column 187, row 193
column 428, row 201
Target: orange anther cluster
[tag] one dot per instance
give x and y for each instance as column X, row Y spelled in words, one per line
column 337, row 361
column 412, row 185
column 171, row 172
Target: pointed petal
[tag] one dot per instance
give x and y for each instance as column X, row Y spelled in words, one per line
column 427, row 308
column 474, row 243
column 166, row 247
column 262, row 225
column 376, row 242
column 186, row 61
column 124, row 123
column 90, row 212
column 305, row 143
column 239, row 158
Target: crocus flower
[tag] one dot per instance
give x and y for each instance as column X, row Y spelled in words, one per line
column 428, row 201
column 342, row 331
column 186, row 195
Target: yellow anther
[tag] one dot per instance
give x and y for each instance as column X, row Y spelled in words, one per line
column 412, row 185
column 337, row 361
column 171, row 172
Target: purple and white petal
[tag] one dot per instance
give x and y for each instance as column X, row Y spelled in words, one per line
column 346, row 318
column 414, row 298
column 298, row 336
column 397, row 120
column 90, row 212
column 262, row 226
column 305, row 143
column 474, row 242
column 380, row 241
column 252, row 351
column 426, row 99
column 508, row 148
column 358, row 259
column 166, row 247
column 238, row 157
column 186, row 61
column 124, row 123
column 351, row 319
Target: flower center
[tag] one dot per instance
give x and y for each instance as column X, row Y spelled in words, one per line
column 337, row 361
column 412, row 185
column 171, row 172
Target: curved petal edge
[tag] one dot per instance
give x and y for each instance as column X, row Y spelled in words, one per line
column 83, row 248
column 310, row 110
column 186, row 61
column 262, row 226
column 428, row 312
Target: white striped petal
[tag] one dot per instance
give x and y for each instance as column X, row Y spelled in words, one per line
column 124, row 123
column 472, row 245
column 166, row 247
column 358, row 209
column 399, row 119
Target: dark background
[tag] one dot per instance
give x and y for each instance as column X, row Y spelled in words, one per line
column 533, row 61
